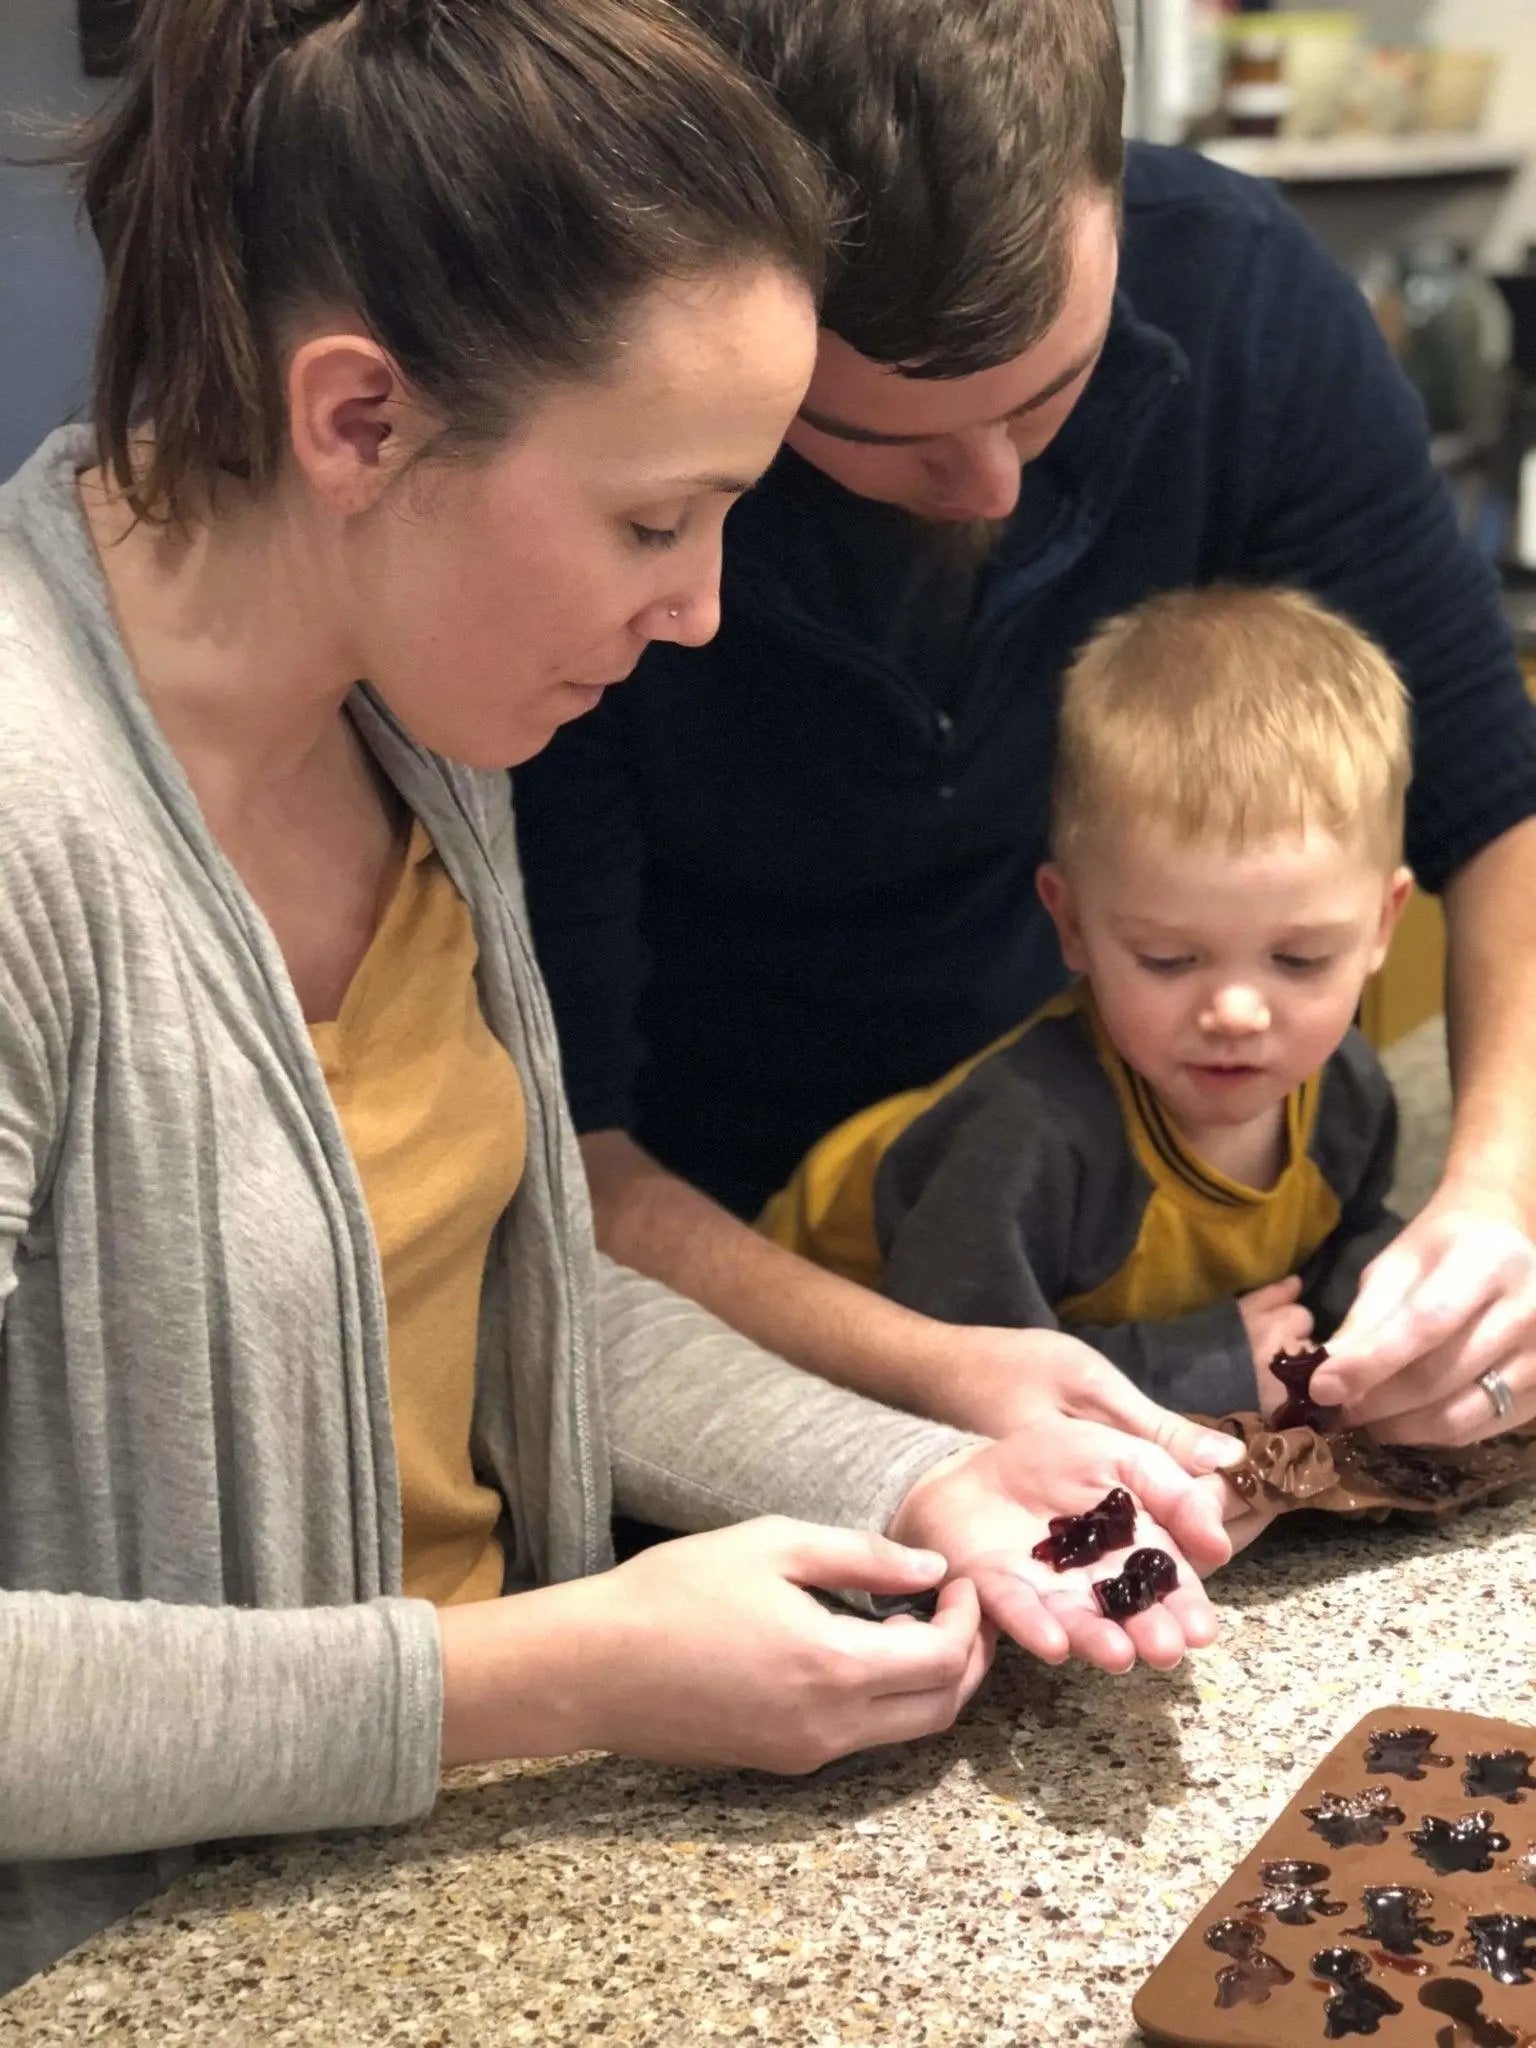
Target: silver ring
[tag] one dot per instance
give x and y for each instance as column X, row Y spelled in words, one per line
column 1496, row 1387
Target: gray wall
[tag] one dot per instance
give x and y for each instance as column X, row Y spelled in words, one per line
column 48, row 271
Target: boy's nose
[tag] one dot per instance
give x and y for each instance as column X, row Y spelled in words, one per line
column 1235, row 1010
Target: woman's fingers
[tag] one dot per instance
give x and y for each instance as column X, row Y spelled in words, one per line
column 860, row 1559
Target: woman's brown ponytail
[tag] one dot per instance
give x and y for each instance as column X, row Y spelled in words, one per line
column 484, row 184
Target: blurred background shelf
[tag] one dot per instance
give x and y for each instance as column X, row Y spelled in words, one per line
column 1363, row 159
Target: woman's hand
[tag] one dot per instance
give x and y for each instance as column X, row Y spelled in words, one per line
column 986, row 1508
column 711, row 1651
column 1452, row 1298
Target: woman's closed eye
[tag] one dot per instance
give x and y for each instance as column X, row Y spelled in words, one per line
column 656, row 536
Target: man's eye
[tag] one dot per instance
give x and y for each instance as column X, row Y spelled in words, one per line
column 1156, row 963
column 656, row 536
column 1302, row 963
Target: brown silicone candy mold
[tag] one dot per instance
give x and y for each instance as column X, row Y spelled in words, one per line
column 1386, row 1903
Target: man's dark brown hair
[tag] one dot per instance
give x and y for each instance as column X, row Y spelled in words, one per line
column 960, row 134
column 487, row 186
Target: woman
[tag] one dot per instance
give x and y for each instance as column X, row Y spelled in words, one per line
column 437, row 341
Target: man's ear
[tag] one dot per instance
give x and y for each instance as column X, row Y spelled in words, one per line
column 346, row 409
column 1393, row 903
column 1055, row 893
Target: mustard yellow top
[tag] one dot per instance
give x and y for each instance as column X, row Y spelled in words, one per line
column 432, row 1109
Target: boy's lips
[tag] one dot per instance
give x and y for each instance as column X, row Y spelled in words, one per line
column 1219, row 1074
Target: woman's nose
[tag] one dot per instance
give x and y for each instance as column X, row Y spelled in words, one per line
column 689, row 614
column 977, row 474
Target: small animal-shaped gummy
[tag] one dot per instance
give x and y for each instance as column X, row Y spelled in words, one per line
column 1523, row 1866
column 1348, row 1820
column 1294, row 1370
column 1503, row 1944
column 1499, row 1774
column 1083, row 1539
column 1396, row 1917
column 1294, row 1893
column 1470, row 1843
column 1356, row 2005
column 1251, row 1975
column 1404, row 1751
column 1149, row 1576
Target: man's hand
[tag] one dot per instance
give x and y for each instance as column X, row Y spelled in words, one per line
column 1038, row 1378
column 985, row 1509
column 1453, row 1297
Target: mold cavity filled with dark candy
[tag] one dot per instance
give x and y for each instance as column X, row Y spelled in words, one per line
column 1149, row 1576
column 1397, row 1916
column 1083, row 1539
column 1469, row 1843
column 1348, row 1820
column 1503, row 1944
column 1293, row 1892
column 1471, row 2027
column 1499, row 1774
column 1356, row 2005
column 1294, row 1370
column 1404, row 1751
column 1251, row 1975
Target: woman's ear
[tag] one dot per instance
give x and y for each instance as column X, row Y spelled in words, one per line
column 346, row 410
column 1055, row 893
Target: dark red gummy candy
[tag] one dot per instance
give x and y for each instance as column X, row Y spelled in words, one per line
column 1149, row 1576
column 1083, row 1539
column 1294, row 1370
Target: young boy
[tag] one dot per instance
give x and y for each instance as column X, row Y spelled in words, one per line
column 1184, row 1158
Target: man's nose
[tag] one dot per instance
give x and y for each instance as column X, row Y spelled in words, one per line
column 978, row 473
column 1237, row 1009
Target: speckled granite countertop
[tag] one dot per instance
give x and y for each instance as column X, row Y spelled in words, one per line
column 1007, row 1886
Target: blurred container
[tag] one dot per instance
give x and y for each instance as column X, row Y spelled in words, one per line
column 1453, row 95
column 1383, row 95
column 1256, row 97
column 1322, row 51
column 1288, row 73
column 1456, row 340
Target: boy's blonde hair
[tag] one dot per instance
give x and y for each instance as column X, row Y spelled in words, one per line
column 1236, row 714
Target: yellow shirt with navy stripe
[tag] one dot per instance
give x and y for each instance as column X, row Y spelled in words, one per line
column 433, row 1113
column 1042, row 1183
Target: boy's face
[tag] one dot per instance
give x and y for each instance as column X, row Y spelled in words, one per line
column 953, row 448
column 1224, row 978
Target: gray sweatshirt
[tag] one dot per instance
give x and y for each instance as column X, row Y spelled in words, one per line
column 201, row 1628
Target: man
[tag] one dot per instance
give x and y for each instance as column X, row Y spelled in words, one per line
column 786, row 873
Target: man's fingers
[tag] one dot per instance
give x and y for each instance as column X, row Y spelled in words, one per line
column 1192, row 1446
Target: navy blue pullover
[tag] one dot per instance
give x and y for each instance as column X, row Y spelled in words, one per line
column 782, row 876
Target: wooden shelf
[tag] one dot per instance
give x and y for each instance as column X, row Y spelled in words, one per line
column 1366, row 159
